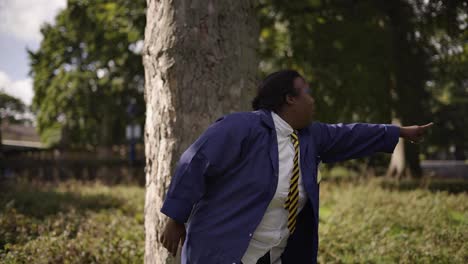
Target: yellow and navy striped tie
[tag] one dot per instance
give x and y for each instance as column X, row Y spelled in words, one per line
column 293, row 196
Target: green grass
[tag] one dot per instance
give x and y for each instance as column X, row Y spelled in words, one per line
column 364, row 223
column 71, row 223
column 359, row 223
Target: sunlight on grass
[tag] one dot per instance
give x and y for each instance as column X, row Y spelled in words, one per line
column 72, row 222
column 359, row 223
column 367, row 224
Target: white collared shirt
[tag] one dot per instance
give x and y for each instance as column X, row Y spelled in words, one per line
column 272, row 233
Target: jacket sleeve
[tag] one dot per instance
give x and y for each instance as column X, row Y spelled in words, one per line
column 215, row 151
column 337, row 142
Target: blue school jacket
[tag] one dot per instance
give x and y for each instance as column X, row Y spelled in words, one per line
column 225, row 180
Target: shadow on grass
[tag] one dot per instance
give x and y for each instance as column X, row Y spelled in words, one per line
column 434, row 185
column 448, row 185
column 40, row 202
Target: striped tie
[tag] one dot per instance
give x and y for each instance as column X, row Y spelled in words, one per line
column 293, row 196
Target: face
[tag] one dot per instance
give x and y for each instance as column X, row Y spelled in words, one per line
column 303, row 105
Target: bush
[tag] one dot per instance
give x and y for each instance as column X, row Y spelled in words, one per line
column 364, row 223
column 360, row 222
column 72, row 223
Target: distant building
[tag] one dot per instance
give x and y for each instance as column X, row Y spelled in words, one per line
column 18, row 137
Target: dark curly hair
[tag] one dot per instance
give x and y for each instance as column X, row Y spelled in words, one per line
column 272, row 91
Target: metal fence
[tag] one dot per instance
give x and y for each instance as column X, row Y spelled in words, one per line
column 110, row 165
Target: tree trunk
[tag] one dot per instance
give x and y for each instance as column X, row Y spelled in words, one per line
column 1, row 151
column 200, row 63
column 396, row 168
column 410, row 75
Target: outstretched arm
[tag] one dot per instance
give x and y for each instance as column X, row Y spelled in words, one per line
column 337, row 142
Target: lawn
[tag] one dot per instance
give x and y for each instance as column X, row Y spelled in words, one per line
column 359, row 223
column 365, row 223
column 71, row 223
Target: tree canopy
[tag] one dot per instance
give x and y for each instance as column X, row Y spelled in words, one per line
column 87, row 72
column 374, row 61
column 366, row 61
column 12, row 109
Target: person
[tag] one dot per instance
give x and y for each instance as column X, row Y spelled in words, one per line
column 247, row 190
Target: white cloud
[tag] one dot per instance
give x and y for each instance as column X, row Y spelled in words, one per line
column 23, row 18
column 21, row 89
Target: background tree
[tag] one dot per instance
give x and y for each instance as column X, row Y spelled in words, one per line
column 200, row 63
column 371, row 61
column 367, row 61
column 446, row 24
column 12, row 110
column 87, row 70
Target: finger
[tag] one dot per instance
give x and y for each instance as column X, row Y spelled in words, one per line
column 167, row 245
column 427, row 125
column 174, row 249
column 169, row 248
column 183, row 239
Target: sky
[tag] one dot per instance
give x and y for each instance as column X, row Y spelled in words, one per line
column 20, row 22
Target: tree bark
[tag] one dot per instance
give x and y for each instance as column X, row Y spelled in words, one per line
column 200, row 63
column 410, row 75
column 396, row 168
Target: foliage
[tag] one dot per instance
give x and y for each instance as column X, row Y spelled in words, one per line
column 367, row 61
column 364, row 223
column 77, row 222
column 330, row 44
column 88, row 70
column 12, row 109
column 372, row 61
column 71, row 223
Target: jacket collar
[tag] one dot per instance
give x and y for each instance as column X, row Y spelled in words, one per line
column 265, row 116
column 267, row 119
column 282, row 127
